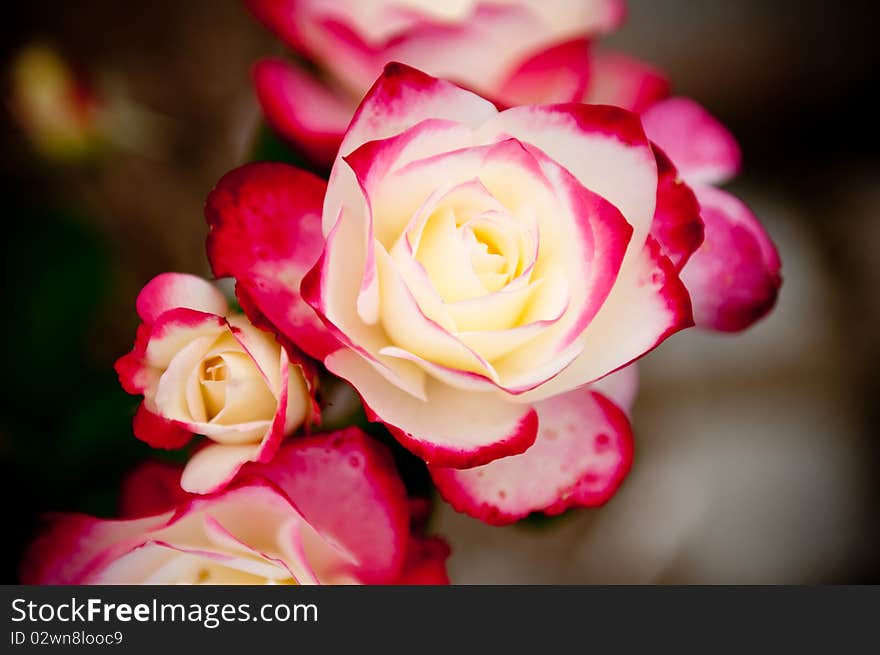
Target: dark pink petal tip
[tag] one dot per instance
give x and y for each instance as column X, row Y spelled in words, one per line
column 157, row 431
column 425, row 562
column 735, row 276
column 460, row 458
column 151, row 488
column 677, row 224
column 301, row 109
column 583, row 453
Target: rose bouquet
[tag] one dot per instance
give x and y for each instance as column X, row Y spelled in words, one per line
column 508, row 221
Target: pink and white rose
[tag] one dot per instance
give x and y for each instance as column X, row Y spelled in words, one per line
column 328, row 509
column 502, row 49
column 476, row 268
column 519, row 53
column 204, row 370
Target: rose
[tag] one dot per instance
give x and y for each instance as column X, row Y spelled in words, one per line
column 500, row 49
column 328, row 509
column 477, row 269
column 205, row 371
column 528, row 53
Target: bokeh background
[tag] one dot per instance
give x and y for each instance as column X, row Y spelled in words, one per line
column 758, row 455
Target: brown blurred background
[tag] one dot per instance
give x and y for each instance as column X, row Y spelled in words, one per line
column 757, row 455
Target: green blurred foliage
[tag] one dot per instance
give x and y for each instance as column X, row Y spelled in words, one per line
column 66, row 425
column 268, row 146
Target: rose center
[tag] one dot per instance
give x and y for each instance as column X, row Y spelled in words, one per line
column 212, row 381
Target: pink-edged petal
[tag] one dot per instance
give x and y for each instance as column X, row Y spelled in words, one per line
column 604, row 236
column 215, row 466
column 649, row 303
column 404, row 96
column 151, row 488
column 677, row 226
column 452, row 427
column 266, row 232
column 703, row 150
column 332, row 288
column 482, row 49
column 175, row 290
column 74, row 545
column 425, row 562
column 605, row 148
column 371, row 163
column 734, row 277
column 302, row 109
column 582, row 453
column 159, row 432
column 400, row 98
column 346, row 487
column 558, row 74
column 619, row 80
column 177, row 328
column 135, row 375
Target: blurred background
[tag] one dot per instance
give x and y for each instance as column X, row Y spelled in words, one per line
column 757, row 454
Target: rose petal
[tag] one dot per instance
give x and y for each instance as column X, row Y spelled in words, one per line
column 582, row 453
column 179, row 290
column 215, row 465
column 425, row 562
column 346, row 487
column 266, row 232
column 399, row 99
column 648, row 303
column 699, row 145
column 332, row 288
column 605, row 148
column 677, row 226
column 558, row 74
column 159, row 432
column 734, row 277
column 176, row 329
column 482, row 427
column 305, row 111
column 135, row 375
column 74, row 545
column 619, row 80
column 151, row 488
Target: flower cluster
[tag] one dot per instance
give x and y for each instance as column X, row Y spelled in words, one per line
column 510, row 220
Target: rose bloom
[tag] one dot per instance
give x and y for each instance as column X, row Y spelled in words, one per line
column 469, row 271
column 499, row 48
column 526, row 53
column 204, row 370
column 328, row 509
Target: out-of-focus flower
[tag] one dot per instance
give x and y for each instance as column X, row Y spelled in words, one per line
column 501, row 49
column 205, row 371
column 69, row 116
column 57, row 107
column 734, row 277
column 476, row 268
column 328, row 509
